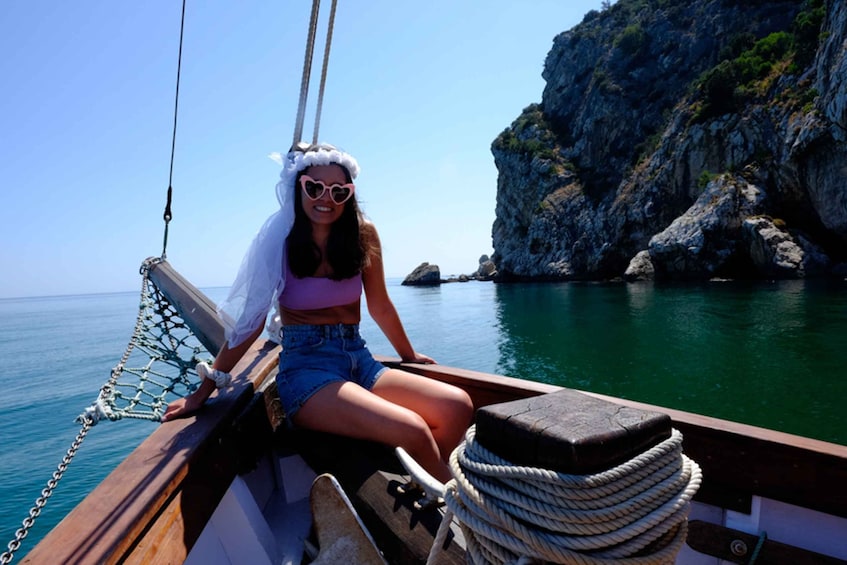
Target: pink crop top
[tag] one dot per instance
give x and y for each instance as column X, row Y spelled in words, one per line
column 312, row 293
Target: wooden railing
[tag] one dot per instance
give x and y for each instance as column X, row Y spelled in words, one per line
column 154, row 505
column 738, row 460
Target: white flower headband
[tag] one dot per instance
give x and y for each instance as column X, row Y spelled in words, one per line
column 305, row 156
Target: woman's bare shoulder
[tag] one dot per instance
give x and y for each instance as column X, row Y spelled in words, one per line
column 368, row 229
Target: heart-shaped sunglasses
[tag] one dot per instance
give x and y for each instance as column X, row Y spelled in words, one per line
column 315, row 189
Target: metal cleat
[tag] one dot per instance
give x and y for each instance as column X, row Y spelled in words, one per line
column 430, row 489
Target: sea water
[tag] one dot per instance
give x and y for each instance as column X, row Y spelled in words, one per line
column 770, row 354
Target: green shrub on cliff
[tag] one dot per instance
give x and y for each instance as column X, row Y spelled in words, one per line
column 529, row 134
column 632, row 40
column 733, row 82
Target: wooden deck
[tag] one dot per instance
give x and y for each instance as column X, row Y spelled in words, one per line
column 371, row 475
column 155, row 504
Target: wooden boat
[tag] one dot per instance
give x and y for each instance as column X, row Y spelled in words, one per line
column 232, row 484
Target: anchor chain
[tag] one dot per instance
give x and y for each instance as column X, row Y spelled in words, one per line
column 35, row 511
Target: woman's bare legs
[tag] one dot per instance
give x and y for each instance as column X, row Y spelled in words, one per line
column 427, row 418
column 446, row 409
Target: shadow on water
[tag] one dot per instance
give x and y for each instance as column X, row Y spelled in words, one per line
column 767, row 354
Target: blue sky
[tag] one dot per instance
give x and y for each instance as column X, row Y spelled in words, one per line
column 417, row 91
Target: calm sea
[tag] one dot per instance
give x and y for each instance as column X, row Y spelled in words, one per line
column 767, row 354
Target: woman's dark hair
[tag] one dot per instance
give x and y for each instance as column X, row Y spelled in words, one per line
column 346, row 249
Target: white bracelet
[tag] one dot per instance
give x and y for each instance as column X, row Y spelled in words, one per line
column 205, row 371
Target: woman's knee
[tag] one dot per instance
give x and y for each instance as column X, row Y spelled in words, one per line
column 458, row 407
column 415, row 433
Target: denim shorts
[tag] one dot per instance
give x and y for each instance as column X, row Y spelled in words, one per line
column 315, row 356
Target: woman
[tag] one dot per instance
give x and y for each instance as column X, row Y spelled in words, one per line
column 315, row 256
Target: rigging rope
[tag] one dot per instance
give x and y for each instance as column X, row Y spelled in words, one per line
column 307, row 71
column 330, row 26
column 167, row 214
column 112, row 402
column 634, row 513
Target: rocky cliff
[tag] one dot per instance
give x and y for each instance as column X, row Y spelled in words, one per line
column 682, row 139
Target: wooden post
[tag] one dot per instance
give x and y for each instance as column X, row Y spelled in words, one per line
column 569, row 432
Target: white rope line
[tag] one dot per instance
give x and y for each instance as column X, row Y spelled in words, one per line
column 585, row 522
column 322, row 87
column 586, row 499
column 633, row 513
column 307, row 71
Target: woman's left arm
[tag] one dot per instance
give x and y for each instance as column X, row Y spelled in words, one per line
column 380, row 307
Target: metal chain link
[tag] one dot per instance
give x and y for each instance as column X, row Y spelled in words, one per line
column 90, row 418
column 87, row 423
column 29, row 521
column 107, row 389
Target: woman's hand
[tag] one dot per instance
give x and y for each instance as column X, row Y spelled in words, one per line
column 420, row 358
column 182, row 407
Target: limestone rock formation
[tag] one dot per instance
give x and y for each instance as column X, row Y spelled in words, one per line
column 427, row 274
column 672, row 127
column 486, row 271
column 778, row 253
column 424, row 274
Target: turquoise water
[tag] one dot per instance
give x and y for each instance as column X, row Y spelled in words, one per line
column 768, row 354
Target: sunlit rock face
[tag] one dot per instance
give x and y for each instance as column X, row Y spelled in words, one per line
column 665, row 130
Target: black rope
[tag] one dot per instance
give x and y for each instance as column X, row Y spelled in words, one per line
column 168, row 215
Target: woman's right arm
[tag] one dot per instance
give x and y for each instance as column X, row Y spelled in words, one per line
column 224, row 361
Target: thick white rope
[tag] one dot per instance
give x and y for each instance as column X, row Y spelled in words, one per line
column 307, row 71
column 319, row 108
column 633, row 513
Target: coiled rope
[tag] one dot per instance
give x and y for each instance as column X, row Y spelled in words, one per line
column 634, row 513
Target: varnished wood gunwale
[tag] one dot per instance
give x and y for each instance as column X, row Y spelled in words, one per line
column 715, row 540
column 738, row 460
column 197, row 310
column 158, row 500
column 178, row 462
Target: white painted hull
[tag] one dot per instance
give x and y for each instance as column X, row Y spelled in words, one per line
column 265, row 518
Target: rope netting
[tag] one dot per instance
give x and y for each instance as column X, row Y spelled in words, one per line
column 166, row 353
column 157, row 365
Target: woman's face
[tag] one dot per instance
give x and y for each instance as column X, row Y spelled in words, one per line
column 324, row 210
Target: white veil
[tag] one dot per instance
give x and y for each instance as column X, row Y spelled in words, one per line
column 261, row 277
